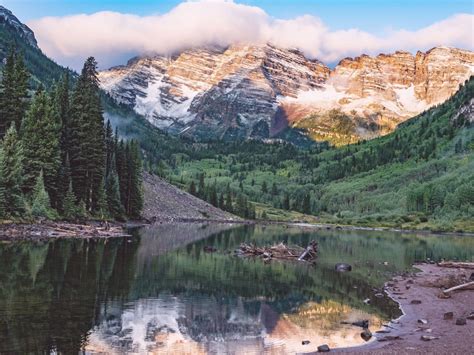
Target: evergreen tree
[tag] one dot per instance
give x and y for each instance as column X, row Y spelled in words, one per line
column 221, row 202
column 87, row 147
column 306, row 207
column 7, row 93
column 40, row 206
column 286, row 202
column 61, row 108
column 12, row 173
column 192, row 188
column 40, row 141
column 13, row 92
column 102, row 205
column 134, row 193
column 112, row 192
column 109, row 148
column 228, row 201
column 69, row 204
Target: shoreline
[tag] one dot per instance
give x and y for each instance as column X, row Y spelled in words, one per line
column 47, row 230
column 424, row 314
column 303, row 225
column 44, row 230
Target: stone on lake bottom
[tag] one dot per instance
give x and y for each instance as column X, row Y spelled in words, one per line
column 323, row 348
column 448, row 315
column 461, row 321
column 415, row 302
column 366, row 335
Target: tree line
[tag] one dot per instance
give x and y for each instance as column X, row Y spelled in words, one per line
column 57, row 157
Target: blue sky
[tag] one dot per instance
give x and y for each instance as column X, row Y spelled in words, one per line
column 329, row 30
column 368, row 15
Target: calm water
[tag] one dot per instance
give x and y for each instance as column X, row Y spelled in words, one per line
column 159, row 292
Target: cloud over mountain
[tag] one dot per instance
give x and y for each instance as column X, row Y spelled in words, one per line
column 112, row 36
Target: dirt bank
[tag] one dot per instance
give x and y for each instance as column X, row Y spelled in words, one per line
column 428, row 317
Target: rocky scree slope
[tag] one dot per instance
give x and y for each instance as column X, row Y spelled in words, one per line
column 165, row 202
column 246, row 91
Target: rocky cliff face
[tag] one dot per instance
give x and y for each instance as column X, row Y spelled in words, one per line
column 257, row 91
column 7, row 18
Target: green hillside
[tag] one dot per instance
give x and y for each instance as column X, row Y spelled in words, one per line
column 422, row 175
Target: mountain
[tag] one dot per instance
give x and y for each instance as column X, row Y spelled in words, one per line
column 13, row 33
column 259, row 90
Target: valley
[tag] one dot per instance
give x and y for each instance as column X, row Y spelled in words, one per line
column 234, row 197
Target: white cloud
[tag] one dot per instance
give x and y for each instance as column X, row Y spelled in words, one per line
column 112, row 36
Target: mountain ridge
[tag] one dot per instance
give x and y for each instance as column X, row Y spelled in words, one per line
column 244, row 90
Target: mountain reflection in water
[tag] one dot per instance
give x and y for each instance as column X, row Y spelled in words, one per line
column 159, row 292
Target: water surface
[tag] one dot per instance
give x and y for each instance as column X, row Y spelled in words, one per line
column 159, row 292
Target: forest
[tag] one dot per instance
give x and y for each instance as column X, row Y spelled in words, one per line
column 58, row 158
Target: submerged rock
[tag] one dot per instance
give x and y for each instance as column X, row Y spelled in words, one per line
column 448, row 315
column 415, row 302
column 343, row 267
column 323, row 348
column 428, row 337
column 366, row 335
column 461, row 321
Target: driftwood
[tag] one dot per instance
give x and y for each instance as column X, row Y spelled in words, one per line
column 455, row 264
column 280, row 252
column 61, row 230
column 459, row 287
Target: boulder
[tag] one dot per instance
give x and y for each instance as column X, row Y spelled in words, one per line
column 323, row 348
column 343, row 267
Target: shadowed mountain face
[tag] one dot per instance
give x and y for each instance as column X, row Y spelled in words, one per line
column 259, row 90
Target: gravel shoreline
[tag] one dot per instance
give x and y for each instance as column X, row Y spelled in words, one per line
column 424, row 315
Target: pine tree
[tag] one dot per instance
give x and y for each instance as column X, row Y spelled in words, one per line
column 69, row 204
column 306, row 207
column 40, row 140
column 61, row 108
column 40, row 206
column 192, row 188
column 7, row 93
column 286, row 202
column 134, row 198
column 20, row 103
column 102, row 210
column 12, row 173
column 228, row 201
column 87, row 147
column 109, row 148
column 13, row 92
column 112, row 192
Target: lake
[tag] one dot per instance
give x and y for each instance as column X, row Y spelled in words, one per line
column 160, row 292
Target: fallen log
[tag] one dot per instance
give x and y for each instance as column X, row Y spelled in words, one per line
column 280, row 252
column 459, row 287
column 457, row 265
column 310, row 251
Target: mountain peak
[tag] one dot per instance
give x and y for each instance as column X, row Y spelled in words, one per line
column 8, row 19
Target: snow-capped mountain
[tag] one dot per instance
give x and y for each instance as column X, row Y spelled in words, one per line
column 259, row 90
column 7, row 18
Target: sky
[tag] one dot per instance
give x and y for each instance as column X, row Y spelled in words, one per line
column 71, row 30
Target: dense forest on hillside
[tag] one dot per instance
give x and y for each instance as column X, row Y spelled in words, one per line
column 420, row 175
column 57, row 158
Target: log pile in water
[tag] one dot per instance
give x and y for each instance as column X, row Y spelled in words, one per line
column 280, row 251
column 48, row 230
